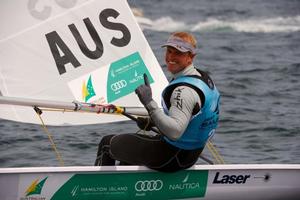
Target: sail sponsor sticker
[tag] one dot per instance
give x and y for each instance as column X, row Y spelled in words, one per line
column 111, row 82
column 125, row 75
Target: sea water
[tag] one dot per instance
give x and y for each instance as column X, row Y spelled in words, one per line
column 251, row 48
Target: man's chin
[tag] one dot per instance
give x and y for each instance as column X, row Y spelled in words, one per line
column 171, row 69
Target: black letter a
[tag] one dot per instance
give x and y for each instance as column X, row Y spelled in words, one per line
column 56, row 42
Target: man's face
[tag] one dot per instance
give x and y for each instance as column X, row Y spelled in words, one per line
column 176, row 60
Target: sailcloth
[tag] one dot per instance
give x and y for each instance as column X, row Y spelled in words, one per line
column 89, row 51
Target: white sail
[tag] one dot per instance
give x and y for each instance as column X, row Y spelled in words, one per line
column 89, row 51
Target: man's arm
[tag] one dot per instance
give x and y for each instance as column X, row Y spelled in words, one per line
column 183, row 100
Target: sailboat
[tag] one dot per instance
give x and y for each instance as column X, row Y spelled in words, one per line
column 83, row 58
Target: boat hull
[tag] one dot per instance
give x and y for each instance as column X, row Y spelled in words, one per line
column 136, row 182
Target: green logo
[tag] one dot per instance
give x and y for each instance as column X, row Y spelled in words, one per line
column 139, row 185
column 125, row 75
column 35, row 187
column 88, row 90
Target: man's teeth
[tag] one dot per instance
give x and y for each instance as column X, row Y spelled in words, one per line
column 172, row 62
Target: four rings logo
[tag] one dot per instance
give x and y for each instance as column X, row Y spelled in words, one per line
column 118, row 85
column 148, row 185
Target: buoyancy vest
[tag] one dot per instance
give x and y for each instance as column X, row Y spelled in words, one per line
column 204, row 120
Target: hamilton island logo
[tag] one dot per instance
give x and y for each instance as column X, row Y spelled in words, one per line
column 88, row 90
column 35, row 188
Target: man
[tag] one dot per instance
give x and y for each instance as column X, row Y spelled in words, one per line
column 189, row 117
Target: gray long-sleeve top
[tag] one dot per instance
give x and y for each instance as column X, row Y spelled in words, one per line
column 183, row 100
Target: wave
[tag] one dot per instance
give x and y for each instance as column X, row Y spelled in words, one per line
column 269, row 25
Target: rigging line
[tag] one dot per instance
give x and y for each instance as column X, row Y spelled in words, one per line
column 213, row 153
column 144, row 131
column 58, row 156
column 123, row 112
column 206, row 159
column 148, row 123
column 216, row 153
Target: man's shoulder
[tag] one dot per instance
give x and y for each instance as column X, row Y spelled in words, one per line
column 184, row 92
column 190, row 71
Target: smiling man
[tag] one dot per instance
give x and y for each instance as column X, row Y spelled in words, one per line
column 189, row 118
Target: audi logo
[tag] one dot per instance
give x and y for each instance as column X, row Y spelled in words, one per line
column 118, row 85
column 148, row 185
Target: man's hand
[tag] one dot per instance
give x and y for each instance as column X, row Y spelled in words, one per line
column 144, row 92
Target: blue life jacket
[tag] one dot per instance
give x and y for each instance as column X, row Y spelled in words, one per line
column 204, row 120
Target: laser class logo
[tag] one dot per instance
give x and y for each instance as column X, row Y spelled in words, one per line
column 35, row 187
column 88, row 90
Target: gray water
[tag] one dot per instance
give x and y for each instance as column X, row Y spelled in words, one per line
column 251, row 49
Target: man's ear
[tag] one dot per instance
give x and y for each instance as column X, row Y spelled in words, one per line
column 192, row 55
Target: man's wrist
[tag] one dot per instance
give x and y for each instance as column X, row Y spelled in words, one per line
column 152, row 105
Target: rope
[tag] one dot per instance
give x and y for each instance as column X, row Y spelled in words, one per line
column 58, row 156
column 119, row 110
column 144, row 129
column 215, row 153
